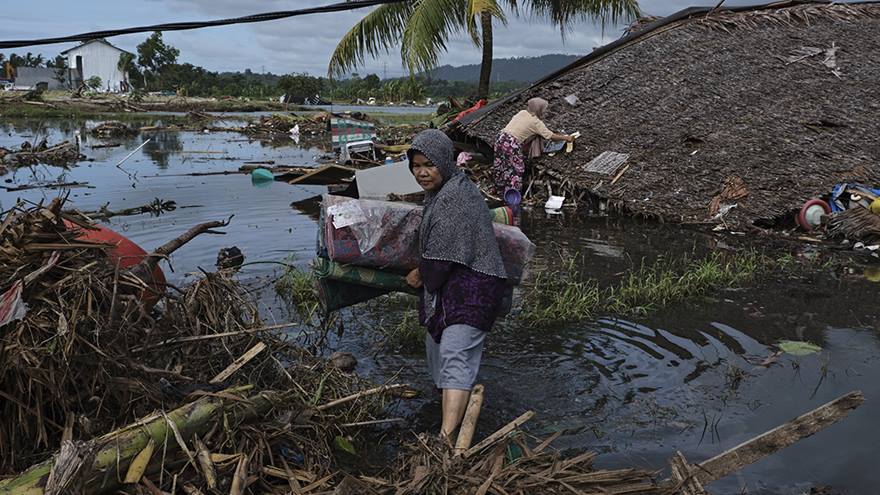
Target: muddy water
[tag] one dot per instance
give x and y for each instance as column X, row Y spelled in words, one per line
column 690, row 378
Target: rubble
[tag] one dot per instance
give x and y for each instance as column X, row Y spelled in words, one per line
column 693, row 126
column 65, row 153
column 114, row 129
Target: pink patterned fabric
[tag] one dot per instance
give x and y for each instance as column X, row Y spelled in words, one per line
column 509, row 164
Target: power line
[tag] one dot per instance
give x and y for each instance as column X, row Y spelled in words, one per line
column 180, row 26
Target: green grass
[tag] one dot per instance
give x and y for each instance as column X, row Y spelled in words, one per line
column 407, row 334
column 565, row 295
column 398, row 322
column 297, row 288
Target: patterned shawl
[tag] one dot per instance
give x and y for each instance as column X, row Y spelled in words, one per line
column 456, row 223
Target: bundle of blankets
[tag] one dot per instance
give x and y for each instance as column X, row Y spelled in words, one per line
column 366, row 248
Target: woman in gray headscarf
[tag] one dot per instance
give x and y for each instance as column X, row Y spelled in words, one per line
column 461, row 272
column 509, row 164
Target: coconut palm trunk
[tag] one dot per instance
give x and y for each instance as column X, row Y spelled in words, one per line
column 486, row 65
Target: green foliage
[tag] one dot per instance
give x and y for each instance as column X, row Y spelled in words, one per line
column 563, row 294
column 28, row 60
column 297, row 288
column 154, row 54
column 407, row 334
column 300, row 85
column 423, row 27
column 93, row 83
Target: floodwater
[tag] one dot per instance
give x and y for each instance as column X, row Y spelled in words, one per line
column 688, row 378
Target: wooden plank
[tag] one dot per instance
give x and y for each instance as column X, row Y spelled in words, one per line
column 329, row 174
column 238, row 363
column 778, row 438
column 498, row 435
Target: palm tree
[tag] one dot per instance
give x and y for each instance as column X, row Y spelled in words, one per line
column 422, row 27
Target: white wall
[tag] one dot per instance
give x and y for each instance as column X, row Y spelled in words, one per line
column 99, row 59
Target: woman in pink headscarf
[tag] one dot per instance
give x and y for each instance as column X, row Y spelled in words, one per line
column 509, row 165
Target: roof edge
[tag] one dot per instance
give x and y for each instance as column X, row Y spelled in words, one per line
column 651, row 28
column 100, row 40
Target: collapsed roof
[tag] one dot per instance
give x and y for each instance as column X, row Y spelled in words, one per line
column 760, row 107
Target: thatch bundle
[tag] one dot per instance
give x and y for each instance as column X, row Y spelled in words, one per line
column 856, row 224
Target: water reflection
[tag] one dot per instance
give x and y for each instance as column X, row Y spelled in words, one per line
column 161, row 147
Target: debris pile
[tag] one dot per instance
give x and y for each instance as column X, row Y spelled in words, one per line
column 857, row 225
column 65, row 153
column 397, row 135
column 113, row 129
column 281, row 124
column 505, row 465
column 81, row 353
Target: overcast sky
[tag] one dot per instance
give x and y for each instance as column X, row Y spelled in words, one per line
column 299, row 44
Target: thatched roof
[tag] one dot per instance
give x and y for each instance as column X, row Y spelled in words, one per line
column 787, row 99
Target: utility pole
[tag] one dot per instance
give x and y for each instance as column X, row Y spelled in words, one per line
column 385, row 70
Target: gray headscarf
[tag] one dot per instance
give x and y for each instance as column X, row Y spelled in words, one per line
column 456, row 224
column 537, row 107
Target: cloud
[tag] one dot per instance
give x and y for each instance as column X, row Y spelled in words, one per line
column 299, row 44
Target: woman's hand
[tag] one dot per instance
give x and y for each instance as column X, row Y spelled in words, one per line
column 569, row 138
column 414, row 279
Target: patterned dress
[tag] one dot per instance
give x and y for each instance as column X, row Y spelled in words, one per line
column 509, row 164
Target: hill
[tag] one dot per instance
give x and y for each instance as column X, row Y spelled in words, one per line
column 520, row 69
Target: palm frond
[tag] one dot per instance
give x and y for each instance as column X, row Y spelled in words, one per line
column 564, row 13
column 373, row 35
column 432, row 22
column 478, row 7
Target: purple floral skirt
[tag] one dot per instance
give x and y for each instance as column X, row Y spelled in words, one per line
column 509, row 164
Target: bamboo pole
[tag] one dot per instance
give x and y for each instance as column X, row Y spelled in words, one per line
column 469, row 423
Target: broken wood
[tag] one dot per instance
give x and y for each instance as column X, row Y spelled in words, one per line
column 57, row 185
column 778, row 438
column 469, row 422
column 238, row 363
column 684, row 475
column 498, row 435
column 373, row 391
column 619, row 174
column 149, row 262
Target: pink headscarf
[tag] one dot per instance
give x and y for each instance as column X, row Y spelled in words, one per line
column 537, row 106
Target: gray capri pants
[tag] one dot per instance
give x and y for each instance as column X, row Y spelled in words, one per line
column 455, row 361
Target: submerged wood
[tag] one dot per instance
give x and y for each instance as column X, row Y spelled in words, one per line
column 778, row 438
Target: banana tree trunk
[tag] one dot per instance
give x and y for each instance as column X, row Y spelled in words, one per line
column 115, row 450
column 486, row 65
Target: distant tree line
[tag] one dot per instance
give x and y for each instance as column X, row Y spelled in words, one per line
column 156, row 68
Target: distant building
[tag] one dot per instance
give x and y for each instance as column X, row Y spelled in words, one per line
column 27, row 78
column 97, row 58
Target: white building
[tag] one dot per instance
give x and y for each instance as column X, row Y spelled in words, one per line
column 97, row 58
